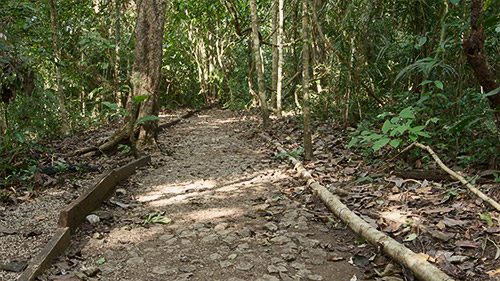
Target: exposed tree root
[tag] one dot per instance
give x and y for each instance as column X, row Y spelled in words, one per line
column 422, row 269
column 121, row 136
column 459, row 177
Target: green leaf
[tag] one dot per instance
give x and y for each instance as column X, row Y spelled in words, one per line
column 413, row 137
column 417, row 129
column 423, row 134
column 439, row 84
column 147, row 118
column 140, row 98
column 455, row 2
column 114, row 106
column 395, row 143
column 360, row 240
column 487, row 218
column 380, row 143
column 411, row 237
column 402, row 128
column 426, row 82
column 407, row 113
column 387, row 126
column 394, row 120
column 494, row 92
column 353, row 142
column 101, row 260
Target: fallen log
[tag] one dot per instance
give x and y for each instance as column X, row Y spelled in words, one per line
column 422, row 269
column 459, row 177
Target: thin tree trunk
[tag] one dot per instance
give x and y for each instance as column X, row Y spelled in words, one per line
column 57, row 50
column 275, row 54
column 305, row 77
column 259, row 64
column 279, row 42
column 476, row 57
column 147, row 65
column 117, row 83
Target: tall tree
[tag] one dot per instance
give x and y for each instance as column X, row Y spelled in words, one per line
column 476, row 57
column 147, row 65
column 274, row 31
column 279, row 42
column 259, row 64
column 146, row 74
column 57, row 49
column 305, row 84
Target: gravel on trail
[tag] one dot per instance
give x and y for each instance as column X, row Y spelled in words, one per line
column 235, row 211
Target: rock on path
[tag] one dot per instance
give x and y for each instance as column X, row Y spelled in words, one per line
column 229, row 219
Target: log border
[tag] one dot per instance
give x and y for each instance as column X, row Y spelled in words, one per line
column 74, row 214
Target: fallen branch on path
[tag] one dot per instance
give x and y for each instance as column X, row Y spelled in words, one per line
column 422, row 269
column 459, row 177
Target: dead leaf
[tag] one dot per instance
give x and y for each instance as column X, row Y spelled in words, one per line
column 438, row 210
column 493, row 272
column 467, row 244
column 349, row 171
column 494, row 229
column 453, row 222
column 40, row 218
column 335, row 258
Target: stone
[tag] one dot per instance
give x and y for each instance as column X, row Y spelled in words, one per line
column 268, row 277
column 91, row 271
column 92, row 219
column 315, row 277
column 280, row 240
column 220, row 227
column 135, row 261
column 224, row 264
column 245, row 232
column 166, row 237
column 14, row 266
column 232, row 256
column 215, row 257
column 210, row 238
column 244, row 266
column 271, row 226
column 160, row 270
column 276, row 268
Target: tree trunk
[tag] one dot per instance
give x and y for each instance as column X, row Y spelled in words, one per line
column 57, row 50
column 147, row 65
column 476, row 57
column 275, row 54
column 279, row 42
column 259, row 64
column 305, row 77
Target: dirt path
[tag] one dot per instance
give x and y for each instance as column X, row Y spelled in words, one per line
column 232, row 211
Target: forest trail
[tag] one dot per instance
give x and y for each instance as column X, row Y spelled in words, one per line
column 230, row 219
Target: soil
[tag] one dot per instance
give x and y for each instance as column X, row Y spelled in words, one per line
column 217, row 203
column 234, row 216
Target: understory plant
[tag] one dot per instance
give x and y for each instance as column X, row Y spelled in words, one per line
column 397, row 129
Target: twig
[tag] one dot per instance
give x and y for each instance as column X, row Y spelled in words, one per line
column 459, row 177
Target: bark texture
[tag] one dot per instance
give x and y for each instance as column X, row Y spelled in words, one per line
column 57, row 50
column 279, row 42
column 476, row 57
column 258, row 64
column 146, row 71
column 305, row 84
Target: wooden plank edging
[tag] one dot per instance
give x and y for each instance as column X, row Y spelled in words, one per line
column 59, row 242
column 74, row 214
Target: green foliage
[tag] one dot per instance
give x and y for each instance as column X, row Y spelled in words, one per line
column 157, row 217
column 399, row 129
